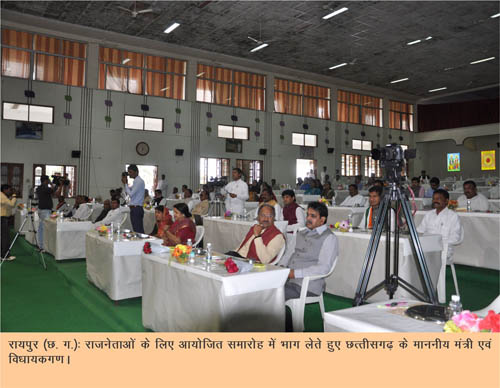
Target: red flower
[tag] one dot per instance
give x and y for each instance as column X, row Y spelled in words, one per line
column 147, row 248
column 231, row 266
column 491, row 322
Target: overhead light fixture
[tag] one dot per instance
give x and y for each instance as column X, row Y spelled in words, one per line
column 435, row 90
column 125, row 61
column 336, row 66
column 414, row 42
column 399, row 80
column 172, row 27
column 428, row 38
column 495, row 16
column 260, row 47
column 339, row 11
column 199, row 75
column 162, row 90
column 482, row 60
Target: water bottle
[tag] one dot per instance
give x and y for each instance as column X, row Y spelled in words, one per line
column 455, row 306
column 209, row 254
column 191, row 254
column 110, row 231
column 118, row 226
column 349, row 220
column 468, row 205
column 245, row 215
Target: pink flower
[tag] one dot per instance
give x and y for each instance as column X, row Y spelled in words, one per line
column 344, row 225
column 467, row 321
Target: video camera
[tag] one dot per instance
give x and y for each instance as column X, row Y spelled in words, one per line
column 392, row 159
column 58, row 180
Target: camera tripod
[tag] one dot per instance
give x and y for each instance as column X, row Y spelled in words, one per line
column 30, row 216
column 392, row 281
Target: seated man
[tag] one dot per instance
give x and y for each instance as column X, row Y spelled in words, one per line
column 157, row 200
column 314, row 253
column 106, row 208
column 263, row 241
column 443, row 221
column 434, row 182
column 267, row 198
column 81, row 210
column 478, row 202
column 354, row 199
column 371, row 213
column 183, row 190
column 418, row 190
column 114, row 215
column 175, row 194
column 292, row 212
column 201, row 208
column 188, row 198
column 62, row 205
column 358, row 182
column 328, row 192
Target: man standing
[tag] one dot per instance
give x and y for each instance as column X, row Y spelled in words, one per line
column 136, row 194
column 354, row 199
column 292, row 212
column 314, row 253
column 323, row 175
column 478, row 202
column 7, row 202
column 237, row 193
column 163, row 186
column 45, row 192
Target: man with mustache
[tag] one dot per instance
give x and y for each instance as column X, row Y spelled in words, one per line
column 478, row 202
column 314, row 252
column 443, row 221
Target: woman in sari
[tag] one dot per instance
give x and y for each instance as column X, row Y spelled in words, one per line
column 182, row 229
column 163, row 220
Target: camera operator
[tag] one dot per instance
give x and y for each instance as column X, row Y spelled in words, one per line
column 45, row 192
column 136, row 193
column 8, row 201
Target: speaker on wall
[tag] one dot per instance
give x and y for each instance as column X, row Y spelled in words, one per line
column 263, row 151
column 179, row 152
column 330, row 150
column 75, row 154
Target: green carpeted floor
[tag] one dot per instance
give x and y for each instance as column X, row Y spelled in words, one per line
column 62, row 300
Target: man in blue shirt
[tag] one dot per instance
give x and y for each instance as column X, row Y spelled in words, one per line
column 434, row 186
column 136, row 193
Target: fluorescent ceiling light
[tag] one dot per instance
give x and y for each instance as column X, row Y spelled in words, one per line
column 162, row 90
column 336, row 66
column 414, row 42
column 435, row 90
column 260, row 47
column 482, row 60
column 399, row 80
column 428, row 38
column 171, row 28
column 495, row 16
column 339, row 11
column 125, row 61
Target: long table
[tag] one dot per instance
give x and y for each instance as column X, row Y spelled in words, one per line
column 65, row 239
column 227, row 235
column 114, row 265
column 339, row 214
column 352, row 249
column 480, row 247
column 188, row 297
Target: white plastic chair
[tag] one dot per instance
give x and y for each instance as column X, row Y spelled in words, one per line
column 298, row 305
column 279, row 255
column 124, row 218
column 495, row 306
column 441, row 284
column 200, row 232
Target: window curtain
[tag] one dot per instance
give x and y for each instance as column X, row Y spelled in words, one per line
column 16, row 63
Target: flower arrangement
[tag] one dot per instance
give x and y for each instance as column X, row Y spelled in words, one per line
column 102, row 230
column 452, row 204
column 470, row 322
column 147, row 248
column 147, row 206
column 231, row 266
column 325, row 201
column 181, row 253
column 343, row 226
column 20, row 206
column 53, row 215
column 227, row 214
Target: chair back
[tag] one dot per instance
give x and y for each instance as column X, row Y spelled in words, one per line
column 200, row 232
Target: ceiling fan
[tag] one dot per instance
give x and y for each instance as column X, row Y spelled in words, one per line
column 261, row 43
column 135, row 12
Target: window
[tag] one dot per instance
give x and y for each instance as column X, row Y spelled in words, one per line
column 302, row 99
column 359, row 109
column 363, row 145
column 213, row 168
column 137, row 73
column 150, row 176
column 25, row 112
column 305, row 168
column 304, row 139
column 232, row 132
column 372, row 166
column 141, row 123
column 351, row 165
column 43, row 58
column 252, row 169
column 401, row 116
column 50, row 170
column 218, row 85
column 13, row 174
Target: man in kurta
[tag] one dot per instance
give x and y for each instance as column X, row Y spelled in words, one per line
column 236, row 193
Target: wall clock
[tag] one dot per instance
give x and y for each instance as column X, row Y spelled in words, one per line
column 142, row 148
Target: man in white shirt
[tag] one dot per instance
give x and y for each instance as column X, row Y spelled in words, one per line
column 292, row 212
column 163, row 186
column 354, row 199
column 81, row 210
column 236, row 193
column 495, row 192
column 442, row 221
column 267, row 198
column 478, row 202
column 323, row 175
column 115, row 215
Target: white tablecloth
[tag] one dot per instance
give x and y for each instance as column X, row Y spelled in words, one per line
column 114, row 266
column 338, row 214
column 480, row 247
column 371, row 318
column 251, row 205
column 19, row 216
column 184, row 297
column 65, row 239
column 352, row 250
column 227, row 235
